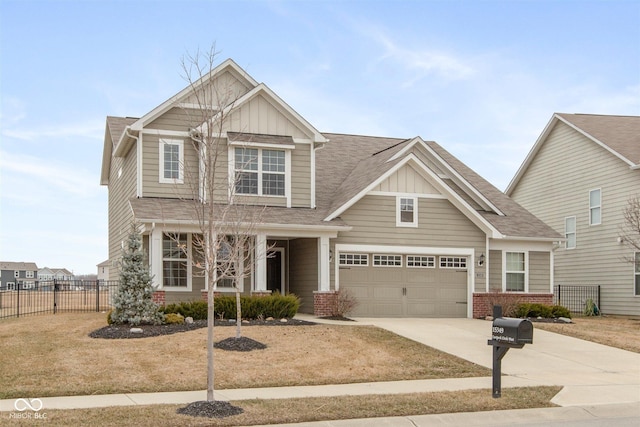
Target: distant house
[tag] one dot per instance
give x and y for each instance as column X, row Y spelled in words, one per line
column 18, row 274
column 48, row 274
column 401, row 223
column 103, row 270
column 578, row 178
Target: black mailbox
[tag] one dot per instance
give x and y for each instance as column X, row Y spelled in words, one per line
column 507, row 330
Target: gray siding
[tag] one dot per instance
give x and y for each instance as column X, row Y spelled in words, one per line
column 151, row 185
column 121, row 189
column 556, row 185
column 440, row 224
column 539, row 272
column 301, row 176
column 303, row 271
column 495, row 271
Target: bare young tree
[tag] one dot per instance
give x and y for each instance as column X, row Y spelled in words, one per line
column 225, row 243
column 630, row 229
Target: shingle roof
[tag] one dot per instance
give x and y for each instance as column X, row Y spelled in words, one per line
column 179, row 210
column 619, row 133
column 18, row 266
column 117, row 125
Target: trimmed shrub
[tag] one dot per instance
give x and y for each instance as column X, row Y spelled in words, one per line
column 253, row 307
column 174, row 318
column 541, row 310
column 560, row 311
column 109, row 319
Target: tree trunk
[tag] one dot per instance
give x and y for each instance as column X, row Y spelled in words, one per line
column 238, row 314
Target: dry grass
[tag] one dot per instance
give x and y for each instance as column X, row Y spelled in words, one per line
column 53, row 356
column 615, row 331
column 310, row 409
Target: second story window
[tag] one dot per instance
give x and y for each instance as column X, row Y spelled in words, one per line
column 595, row 207
column 570, row 232
column 171, row 161
column 406, row 212
column 260, row 171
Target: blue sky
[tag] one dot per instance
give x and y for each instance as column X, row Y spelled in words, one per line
column 482, row 78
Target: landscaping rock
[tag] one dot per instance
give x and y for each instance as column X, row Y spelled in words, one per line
column 136, row 330
column 284, row 320
column 188, row 320
column 564, row 320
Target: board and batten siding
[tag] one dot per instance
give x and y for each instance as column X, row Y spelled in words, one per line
column 406, row 180
column 122, row 188
column 556, row 185
column 260, row 116
column 303, row 271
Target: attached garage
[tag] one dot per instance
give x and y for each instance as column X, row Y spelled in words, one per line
column 405, row 285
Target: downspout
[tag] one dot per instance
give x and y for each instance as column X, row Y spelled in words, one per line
column 138, row 161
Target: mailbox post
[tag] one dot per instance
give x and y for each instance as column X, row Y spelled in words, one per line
column 506, row 333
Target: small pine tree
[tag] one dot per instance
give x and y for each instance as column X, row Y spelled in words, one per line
column 133, row 302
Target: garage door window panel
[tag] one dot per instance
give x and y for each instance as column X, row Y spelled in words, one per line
column 354, row 259
column 453, row 262
column 416, row 261
column 380, row 260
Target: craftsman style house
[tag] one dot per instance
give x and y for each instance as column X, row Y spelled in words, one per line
column 578, row 178
column 402, row 224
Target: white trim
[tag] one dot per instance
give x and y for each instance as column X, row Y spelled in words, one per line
column 526, row 271
column 261, row 262
column 260, row 172
column 416, row 195
column 164, row 132
column 287, row 176
column 195, row 106
column 399, row 222
column 188, row 261
column 180, row 144
column 261, row 145
column 312, row 159
column 599, row 206
column 155, row 255
column 324, row 268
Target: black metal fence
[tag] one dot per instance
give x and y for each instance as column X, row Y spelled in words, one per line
column 575, row 297
column 57, row 296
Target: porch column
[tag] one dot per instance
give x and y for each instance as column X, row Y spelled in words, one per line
column 261, row 262
column 323, row 264
column 155, row 256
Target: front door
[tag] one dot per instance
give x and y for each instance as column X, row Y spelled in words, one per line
column 275, row 270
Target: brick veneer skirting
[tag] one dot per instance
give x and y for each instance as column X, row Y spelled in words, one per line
column 483, row 302
column 324, row 303
column 158, row 297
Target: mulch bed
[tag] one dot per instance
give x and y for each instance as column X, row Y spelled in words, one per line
column 124, row 331
column 215, row 409
column 239, row 344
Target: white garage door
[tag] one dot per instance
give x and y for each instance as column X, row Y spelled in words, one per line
column 432, row 286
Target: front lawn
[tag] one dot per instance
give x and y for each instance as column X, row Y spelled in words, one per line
column 52, row 355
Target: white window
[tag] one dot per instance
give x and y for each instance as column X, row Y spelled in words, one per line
column 453, row 262
column 570, row 232
column 387, row 260
column 29, row 285
column 175, row 263
column 16, row 274
column 354, row 259
column 29, row 275
column 421, row 261
column 637, row 274
column 515, row 278
column 407, row 212
column 171, row 161
column 595, row 207
column 260, row 171
column 11, row 286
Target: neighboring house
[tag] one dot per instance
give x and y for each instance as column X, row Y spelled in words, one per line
column 48, row 274
column 103, row 270
column 18, row 274
column 578, row 178
column 401, row 223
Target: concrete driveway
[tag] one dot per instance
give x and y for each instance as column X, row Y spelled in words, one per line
column 592, row 374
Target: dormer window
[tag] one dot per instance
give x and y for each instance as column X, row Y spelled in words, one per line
column 260, row 171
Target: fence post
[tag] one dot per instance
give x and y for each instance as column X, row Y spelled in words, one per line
column 18, row 304
column 55, row 295
column 599, row 308
column 97, row 296
column 559, row 293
